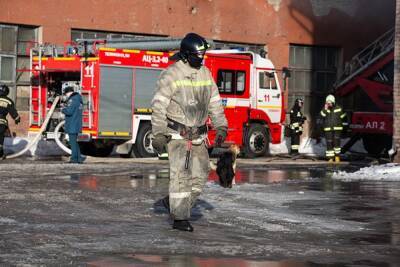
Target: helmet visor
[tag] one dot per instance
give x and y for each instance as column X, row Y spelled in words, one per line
column 199, row 54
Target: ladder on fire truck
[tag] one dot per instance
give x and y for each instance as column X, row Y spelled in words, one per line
column 370, row 61
column 36, row 116
column 365, row 58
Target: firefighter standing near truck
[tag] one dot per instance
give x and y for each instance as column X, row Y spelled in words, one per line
column 186, row 96
column 73, row 122
column 296, row 125
column 334, row 120
column 6, row 107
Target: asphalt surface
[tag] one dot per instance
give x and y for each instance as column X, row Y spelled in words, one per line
column 281, row 212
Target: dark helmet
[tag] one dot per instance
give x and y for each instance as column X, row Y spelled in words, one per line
column 193, row 47
column 299, row 101
column 68, row 89
column 4, row 90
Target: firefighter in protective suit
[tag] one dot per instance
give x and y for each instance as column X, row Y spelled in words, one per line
column 186, row 95
column 6, row 106
column 296, row 125
column 333, row 122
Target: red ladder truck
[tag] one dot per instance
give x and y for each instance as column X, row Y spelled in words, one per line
column 365, row 91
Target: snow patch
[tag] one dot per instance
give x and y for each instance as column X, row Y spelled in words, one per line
column 387, row 172
column 4, row 220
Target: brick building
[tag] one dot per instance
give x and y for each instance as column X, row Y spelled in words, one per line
column 313, row 37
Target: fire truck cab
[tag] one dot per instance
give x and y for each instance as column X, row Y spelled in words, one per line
column 117, row 86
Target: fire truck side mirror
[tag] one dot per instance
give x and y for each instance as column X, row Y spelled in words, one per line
column 285, row 73
column 285, row 76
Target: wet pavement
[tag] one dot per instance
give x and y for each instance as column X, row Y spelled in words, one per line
column 108, row 214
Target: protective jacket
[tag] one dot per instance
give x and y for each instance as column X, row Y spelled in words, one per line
column 187, row 96
column 333, row 119
column 296, row 119
column 73, row 114
column 7, row 106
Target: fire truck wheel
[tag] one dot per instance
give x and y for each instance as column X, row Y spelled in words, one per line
column 376, row 144
column 256, row 141
column 143, row 148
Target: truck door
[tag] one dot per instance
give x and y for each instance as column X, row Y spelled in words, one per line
column 269, row 95
column 115, row 104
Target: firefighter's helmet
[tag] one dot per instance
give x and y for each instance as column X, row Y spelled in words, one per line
column 68, row 89
column 192, row 49
column 330, row 99
column 4, row 90
column 299, row 102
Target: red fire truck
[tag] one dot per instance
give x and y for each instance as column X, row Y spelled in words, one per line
column 366, row 91
column 117, row 86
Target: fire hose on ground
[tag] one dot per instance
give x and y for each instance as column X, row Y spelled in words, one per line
column 39, row 135
column 57, row 138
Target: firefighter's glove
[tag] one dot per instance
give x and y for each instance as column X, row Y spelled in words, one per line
column 220, row 136
column 17, row 120
column 159, row 142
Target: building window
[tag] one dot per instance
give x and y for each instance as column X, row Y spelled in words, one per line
column 8, row 48
column 87, row 34
column 314, row 70
column 231, row 82
column 15, row 42
column 26, row 38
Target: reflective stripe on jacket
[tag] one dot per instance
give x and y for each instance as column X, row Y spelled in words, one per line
column 333, row 119
column 296, row 120
column 7, row 107
column 188, row 96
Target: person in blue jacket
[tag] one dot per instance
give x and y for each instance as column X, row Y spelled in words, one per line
column 73, row 122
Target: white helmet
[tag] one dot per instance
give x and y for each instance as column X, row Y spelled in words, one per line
column 330, row 98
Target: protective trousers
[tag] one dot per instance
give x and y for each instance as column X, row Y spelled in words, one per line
column 75, row 150
column 3, row 129
column 332, row 144
column 295, row 141
column 186, row 185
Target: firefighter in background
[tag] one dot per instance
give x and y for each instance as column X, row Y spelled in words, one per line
column 333, row 122
column 73, row 122
column 6, row 106
column 186, row 95
column 296, row 125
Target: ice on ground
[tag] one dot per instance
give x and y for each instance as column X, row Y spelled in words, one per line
column 41, row 148
column 387, row 172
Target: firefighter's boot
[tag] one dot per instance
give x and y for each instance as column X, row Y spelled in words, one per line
column 165, row 202
column 331, row 160
column 337, row 159
column 182, row 225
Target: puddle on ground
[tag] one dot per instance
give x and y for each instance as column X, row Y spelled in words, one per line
column 311, row 178
column 267, row 176
column 158, row 177
column 134, row 260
